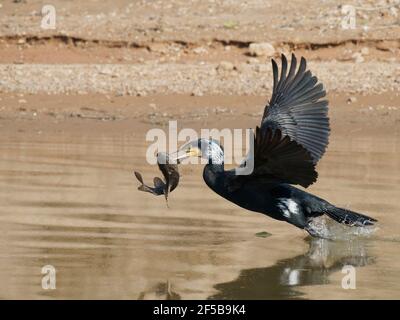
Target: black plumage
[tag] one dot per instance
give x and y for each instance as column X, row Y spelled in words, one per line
column 296, row 109
column 292, row 138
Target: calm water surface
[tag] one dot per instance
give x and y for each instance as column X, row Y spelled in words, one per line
column 71, row 202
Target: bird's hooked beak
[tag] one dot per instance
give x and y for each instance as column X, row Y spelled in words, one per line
column 186, row 151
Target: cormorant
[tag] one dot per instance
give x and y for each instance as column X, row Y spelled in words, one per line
column 291, row 139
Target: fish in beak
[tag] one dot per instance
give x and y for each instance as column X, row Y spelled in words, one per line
column 171, row 178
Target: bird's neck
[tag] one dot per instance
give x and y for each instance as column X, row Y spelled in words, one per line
column 212, row 175
column 214, row 171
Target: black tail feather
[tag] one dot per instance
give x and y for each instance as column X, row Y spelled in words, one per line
column 349, row 218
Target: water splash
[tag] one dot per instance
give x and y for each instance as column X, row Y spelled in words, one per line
column 323, row 227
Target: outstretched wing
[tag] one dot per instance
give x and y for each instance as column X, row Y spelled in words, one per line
column 277, row 159
column 296, row 109
column 294, row 130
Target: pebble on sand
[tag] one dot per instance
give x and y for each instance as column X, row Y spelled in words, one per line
column 364, row 51
column 225, row 66
column 262, row 49
column 358, row 58
column 351, row 99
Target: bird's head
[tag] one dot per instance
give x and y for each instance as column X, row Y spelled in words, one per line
column 210, row 150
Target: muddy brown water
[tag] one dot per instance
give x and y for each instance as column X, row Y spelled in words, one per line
column 71, row 201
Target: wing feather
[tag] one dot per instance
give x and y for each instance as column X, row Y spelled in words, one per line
column 296, row 109
column 294, row 130
column 278, row 159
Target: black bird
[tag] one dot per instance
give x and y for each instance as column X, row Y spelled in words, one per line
column 292, row 137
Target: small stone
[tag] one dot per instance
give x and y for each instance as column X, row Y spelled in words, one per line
column 225, row 66
column 253, row 61
column 158, row 48
column 199, row 50
column 22, row 101
column 352, row 99
column 140, row 93
column 357, row 57
column 263, row 234
column 230, row 24
column 262, row 49
column 364, row 51
column 197, row 93
column 384, row 45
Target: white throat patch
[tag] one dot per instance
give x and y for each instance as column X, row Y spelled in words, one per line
column 214, row 153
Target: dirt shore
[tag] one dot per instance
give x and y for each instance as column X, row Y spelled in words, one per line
column 92, row 114
column 142, row 22
column 150, row 62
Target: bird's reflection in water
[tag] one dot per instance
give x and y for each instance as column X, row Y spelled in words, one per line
column 162, row 291
column 311, row 268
